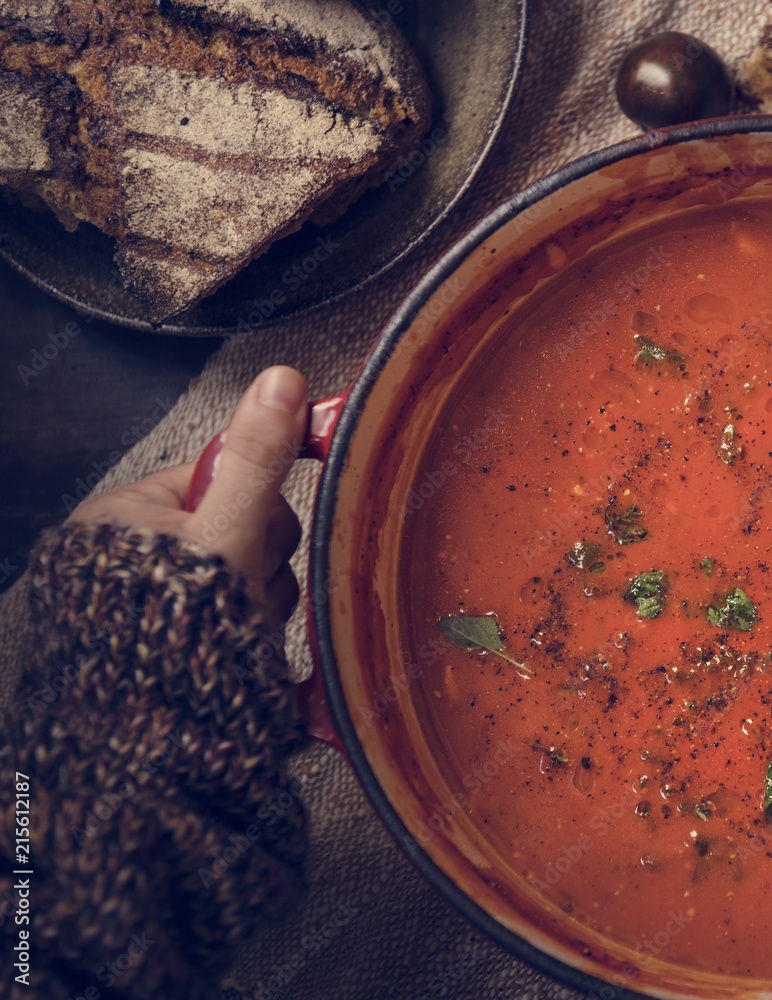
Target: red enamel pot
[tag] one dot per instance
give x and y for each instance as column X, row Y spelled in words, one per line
column 371, row 440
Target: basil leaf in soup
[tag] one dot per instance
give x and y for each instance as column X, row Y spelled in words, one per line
column 738, row 612
column 477, row 632
column 768, row 792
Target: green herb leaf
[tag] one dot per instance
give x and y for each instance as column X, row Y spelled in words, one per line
column 768, row 793
column 584, row 555
column 624, row 527
column 729, row 450
column 477, row 632
column 647, row 590
column 703, row 810
column 707, row 566
column 651, row 353
column 556, row 755
column 738, row 612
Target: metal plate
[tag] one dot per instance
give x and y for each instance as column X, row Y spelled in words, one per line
column 473, row 53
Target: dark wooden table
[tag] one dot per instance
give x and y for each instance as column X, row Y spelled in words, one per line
column 74, row 396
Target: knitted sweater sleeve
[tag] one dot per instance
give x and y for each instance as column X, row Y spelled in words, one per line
column 144, row 766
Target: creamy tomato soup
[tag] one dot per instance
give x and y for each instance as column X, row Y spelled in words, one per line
column 599, row 487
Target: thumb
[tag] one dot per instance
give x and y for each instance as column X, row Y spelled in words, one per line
column 259, row 447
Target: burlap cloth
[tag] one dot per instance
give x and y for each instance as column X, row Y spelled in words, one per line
column 369, row 927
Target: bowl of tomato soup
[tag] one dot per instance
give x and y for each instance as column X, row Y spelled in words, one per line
column 541, row 561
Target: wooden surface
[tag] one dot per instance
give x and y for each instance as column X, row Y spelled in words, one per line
column 74, row 396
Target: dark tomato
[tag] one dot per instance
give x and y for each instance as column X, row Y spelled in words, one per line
column 672, row 78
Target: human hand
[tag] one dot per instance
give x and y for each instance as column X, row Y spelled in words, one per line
column 242, row 515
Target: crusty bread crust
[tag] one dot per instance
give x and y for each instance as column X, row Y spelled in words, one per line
column 197, row 132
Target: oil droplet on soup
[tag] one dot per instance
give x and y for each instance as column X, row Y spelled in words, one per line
column 636, row 426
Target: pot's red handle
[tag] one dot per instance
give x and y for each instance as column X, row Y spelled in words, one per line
column 322, row 419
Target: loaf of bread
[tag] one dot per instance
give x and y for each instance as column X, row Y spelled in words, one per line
column 198, row 132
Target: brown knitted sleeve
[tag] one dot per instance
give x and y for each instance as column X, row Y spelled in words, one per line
column 153, row 724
